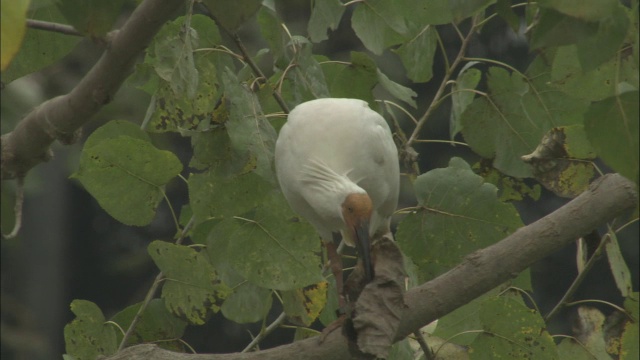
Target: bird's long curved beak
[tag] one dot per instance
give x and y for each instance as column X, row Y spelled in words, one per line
column 363, row 245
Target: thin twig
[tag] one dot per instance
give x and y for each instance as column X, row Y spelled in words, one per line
column 17, row 209
column 578, row 280
column 256, row 70
column 268, row 330
column 53, row 27
column 428, row 354
column 443, row 85
column 152, row 290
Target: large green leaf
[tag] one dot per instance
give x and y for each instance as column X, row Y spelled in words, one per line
column 191, row 287
column 12, row 29
column 399, row 91
column 232, row 14
column 39, row 48
column 326, row 14
column 462, row 95
column 557, row 29
column 517, row 112
column 597, row 84
column 88, row 336
column 606, row 42
column 270, row 247
column 417, row 54
column 588, row 10
column 355, row 80
column 213, row 195
column 91, row 17
column 155, row 325
column 612, row 129
column 126, row 174
column 459, row 214
column 249, row 303
column 378, row 24
column 248, row 128
column 510, row 327
column 619, row 268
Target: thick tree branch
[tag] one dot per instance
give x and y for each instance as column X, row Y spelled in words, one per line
column 59, row 118
column 482, row 271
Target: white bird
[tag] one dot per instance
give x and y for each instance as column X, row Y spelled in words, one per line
column 337, row 166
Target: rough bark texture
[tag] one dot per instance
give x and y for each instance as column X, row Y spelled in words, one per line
column 607, row 198
column 60, row 118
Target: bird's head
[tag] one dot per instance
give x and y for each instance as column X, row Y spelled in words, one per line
column 356, row 212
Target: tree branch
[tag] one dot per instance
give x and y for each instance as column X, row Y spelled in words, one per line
column 60, row 118
column 483, row 270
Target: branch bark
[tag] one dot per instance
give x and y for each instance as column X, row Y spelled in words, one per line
column 60, row 118
column 483, row 270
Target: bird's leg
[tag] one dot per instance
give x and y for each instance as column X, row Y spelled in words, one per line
column 335, row 261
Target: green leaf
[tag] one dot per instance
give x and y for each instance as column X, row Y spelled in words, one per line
column 461, row 324
column 596, row 84
column 510, row 327
column 155, row 325
column 249, row 303
column 505, row 11
column 232, row 14
column 191, row 288
column 511, row 120
column 247, row 126
column 462, row 9
column 126, row 175
column 430, row 12
column 273, row 32
column 303, row 306
column 328, row 313
column 12, row 29
column 270, row 247
column 606, row 42
column 39, row 48
column 401, row 92
column 588, row 10
column 184, row 84
column 173, row 57
column 619, row 268
column 461, row 97
column 629, row 338
column 417, row 54
column 213, row 195
column 326, row 14
column 570, row 348
column 87, row 336
column 557, row 29
column 612, row 129
column 460, row 214
column 91, row 17
column 356, row 80
column 305, row 81
column 378, row 24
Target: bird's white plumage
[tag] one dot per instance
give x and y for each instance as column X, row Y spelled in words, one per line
column 330, row 148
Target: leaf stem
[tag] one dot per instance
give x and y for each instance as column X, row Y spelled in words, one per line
column 443, row 85
column 152, row 291
column 266, row 331
column 578, row 280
